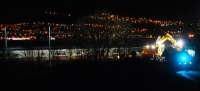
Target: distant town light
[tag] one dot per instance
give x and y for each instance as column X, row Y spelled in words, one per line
column 118, row 57
column 52, row 38
column 69, row 14
column 190, row 35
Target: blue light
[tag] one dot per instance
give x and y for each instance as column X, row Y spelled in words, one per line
column 184, row 58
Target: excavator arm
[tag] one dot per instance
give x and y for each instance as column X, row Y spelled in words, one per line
column 160, row 47
column 165, row 38
column 160, row 43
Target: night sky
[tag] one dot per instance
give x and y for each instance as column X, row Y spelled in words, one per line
column 157, row 8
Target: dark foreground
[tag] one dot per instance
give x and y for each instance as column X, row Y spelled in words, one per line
column 94, row 76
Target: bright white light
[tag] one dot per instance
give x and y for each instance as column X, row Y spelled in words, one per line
column 191, row 35
column 190, row 62
column 52, row 38
column 118, row 57
column 191, row 52
column 15, row 38
column 162, row 45
column 153, row 46
column 82, row 53
column 147, row 46
column 180, row 43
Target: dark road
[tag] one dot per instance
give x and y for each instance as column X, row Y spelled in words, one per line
column 98, row 76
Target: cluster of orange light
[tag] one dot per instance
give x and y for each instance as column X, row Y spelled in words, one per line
column 112, row 17
column 190, row 35
column 31, row 29
column 102, row 26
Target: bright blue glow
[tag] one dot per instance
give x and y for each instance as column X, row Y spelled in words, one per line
column 184, row 58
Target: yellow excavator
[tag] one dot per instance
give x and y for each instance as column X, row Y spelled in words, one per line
column 178, row 55
column 157, row 49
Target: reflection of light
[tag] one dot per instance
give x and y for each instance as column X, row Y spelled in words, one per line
column 190, row 62
column 188, row 74
column 184, row 74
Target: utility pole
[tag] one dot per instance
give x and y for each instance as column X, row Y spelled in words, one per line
column 49, row 37
column 6, row 43
column 5, row 37
column 49, row 45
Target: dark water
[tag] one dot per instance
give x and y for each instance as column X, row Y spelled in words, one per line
column 94, row 76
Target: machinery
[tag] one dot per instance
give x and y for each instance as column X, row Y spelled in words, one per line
column 156, row 50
